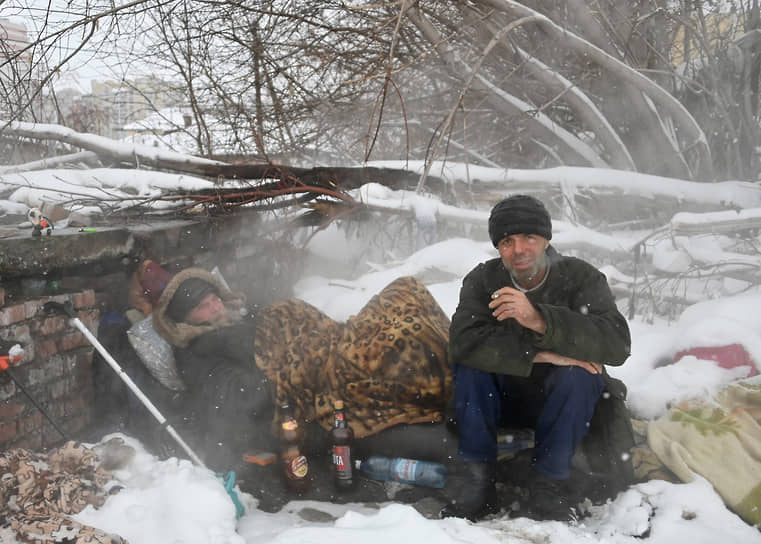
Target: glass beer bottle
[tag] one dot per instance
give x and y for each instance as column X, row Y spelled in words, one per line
column 295, row 464
column 342, row 436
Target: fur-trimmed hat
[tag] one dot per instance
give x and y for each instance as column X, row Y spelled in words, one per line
column 519, row 214
column 179, row 333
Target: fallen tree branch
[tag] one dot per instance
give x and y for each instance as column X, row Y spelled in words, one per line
column 693, row 134
column 108, row 148
column 87, row 157
column 538, row 122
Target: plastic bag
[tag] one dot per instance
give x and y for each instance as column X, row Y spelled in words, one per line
column 155, row 353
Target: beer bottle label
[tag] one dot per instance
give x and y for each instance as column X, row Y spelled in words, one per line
column 342, row 458
column 299, row 466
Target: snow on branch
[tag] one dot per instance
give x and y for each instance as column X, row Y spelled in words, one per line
column 539, row 122
column 716, row 222
column 731, row 194
column 136, row 154
column 82, row 157
column 604, row 183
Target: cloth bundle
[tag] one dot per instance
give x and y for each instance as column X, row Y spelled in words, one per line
column 719, row 439
column 39, row 491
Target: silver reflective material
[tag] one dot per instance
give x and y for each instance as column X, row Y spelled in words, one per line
column 155, row 353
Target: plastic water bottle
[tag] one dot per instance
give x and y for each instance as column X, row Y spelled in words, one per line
column 408, row 471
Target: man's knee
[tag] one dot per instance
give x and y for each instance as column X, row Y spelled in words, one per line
column 466, row 377
column 575, row 381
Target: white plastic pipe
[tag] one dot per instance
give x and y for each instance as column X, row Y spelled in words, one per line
column 136, row 390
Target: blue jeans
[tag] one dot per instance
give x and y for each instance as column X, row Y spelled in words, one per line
column 557, row 401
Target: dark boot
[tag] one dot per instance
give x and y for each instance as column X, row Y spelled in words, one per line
column 548, row 499
column 477, row 495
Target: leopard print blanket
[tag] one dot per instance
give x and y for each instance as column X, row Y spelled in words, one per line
column 39, row 491
column 388, row 363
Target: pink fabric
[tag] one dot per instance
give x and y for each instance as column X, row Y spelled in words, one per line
column 153, row 281
column 729, row 356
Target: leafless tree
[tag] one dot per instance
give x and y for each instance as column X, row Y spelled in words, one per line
column 668, row 88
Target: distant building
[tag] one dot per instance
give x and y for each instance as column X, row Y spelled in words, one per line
column 106, row 107
column 128, row 101
column 18, row 80
column 13, row 35
column 702, row 38
column 166, row 129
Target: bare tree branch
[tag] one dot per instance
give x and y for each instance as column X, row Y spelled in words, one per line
column 693, row 134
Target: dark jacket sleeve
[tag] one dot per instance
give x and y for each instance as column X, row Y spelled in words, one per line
column 231, row 402
column 236, row 417
column 590, row 328
column 478, row 340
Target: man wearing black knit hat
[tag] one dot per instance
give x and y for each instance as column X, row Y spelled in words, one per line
column 528, row 342
column 196, row 301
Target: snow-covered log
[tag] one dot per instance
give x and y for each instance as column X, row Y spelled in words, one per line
column 83, row 157
column 605, row 185
column 716, row 222
column 135, row 154
column 724, row 194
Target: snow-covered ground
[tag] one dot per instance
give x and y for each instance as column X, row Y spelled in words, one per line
column 175, row 502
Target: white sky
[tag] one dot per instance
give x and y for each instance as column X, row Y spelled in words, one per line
column 173, row 501
column 95, row 60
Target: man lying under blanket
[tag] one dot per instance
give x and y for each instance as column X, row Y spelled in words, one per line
column 231, row 368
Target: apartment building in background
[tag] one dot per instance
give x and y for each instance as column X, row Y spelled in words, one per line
column 125, row 102
column 19, row 79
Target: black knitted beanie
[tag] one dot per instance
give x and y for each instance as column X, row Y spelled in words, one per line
column 189, row 294
column 519, row 214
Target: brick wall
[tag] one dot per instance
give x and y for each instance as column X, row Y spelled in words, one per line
column 56, row 369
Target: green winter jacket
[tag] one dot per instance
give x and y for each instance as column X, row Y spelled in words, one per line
column 582, row 322
column 575, row 301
